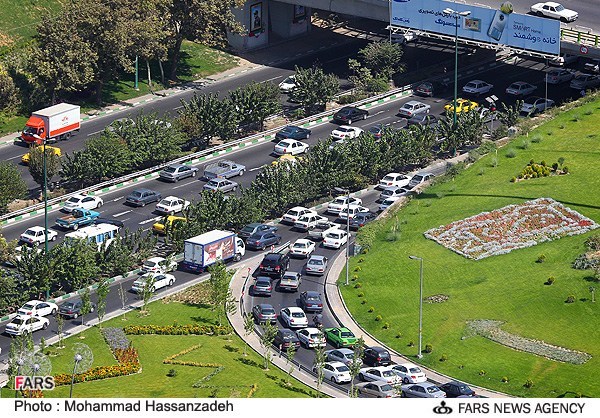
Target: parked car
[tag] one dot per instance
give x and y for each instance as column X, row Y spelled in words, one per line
column 336, row 372
column 290, row 146
column 38, row 308
column 170, row 205
column 361, row 219
column 221, row 184
column 564, row 59
column 141, row 197
column 158, row 265
column 309, row 221
column 424, row 89
column 284, row 338
column 302, row 248
column 454, row 389
column 422, row 390
column 263, row 313
column 477, row 87
column 345, row 132
column 393, row 179
column 419, row 178
column 554, row 10
column 311, row 301
column 316, row 265
column 558, row 76
column 176, row 172
column 533, row 105
column 343, row 355
column 341, row 202
column 311, row 337
column 288, row 84
column 292, row 215
column 422, row 119
column 26, row 324
column 349, row 114
column 82, row 201
column 377, row 389
column 335, row 239
column 290, row 281
column 152, row 282
column 585, row 81
column 274, row 264
column 462, row 106
column 293, row 132
column 520, row 89
column 376, row 356
column 410, row 373
column 294, row 317
column 36, row 235
column 379, row 374
column 340, row 337
column 253, row 228
column 72, row 309
column 386, row 203
column 262, row 286
column 393, row 191
column 413, row 107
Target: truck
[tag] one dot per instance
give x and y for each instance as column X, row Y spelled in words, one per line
column 201, row 251
column 225, row 169
column 63, row 121
column 78, row 217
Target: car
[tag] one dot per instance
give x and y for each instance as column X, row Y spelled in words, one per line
column 262, row 240
column 393, row 191
column 393, row 179
column 422, row 119
column 533, row 105
column 520, row 89
column 335, row 239
column 592, row 65
column 376, row 356
column 564, row 59
column 311, row 337
column 311, row 301
column 419, row 179
column 292, row 215
column 377, row 389
column 340, row 337
column 288, row 84
column 262, row 286
column 292, row 132
column 322, row 229
column 72, row 309
column 82, row 201
column 402, row 38
column 38, row 308
column 345, row 132
column 410, row 373
column 253, row 228
column 335, row 372
column 379, row 374
column 263, row 313
column 454, row 389
column 422, row 390
column 350, row 211
column 413, row 107
column 55, row 150
column 462, row 106
column 343, row 355
column 170, row 205
column 558, row 76
column 341, row 202
column 293, row 317
column 585, row 81
column 386, row 203
column 302, row 248
column 158, row 265
column 309, row 221
column 554, row 10
column 274, row 264
column 290, row 146
column 349, row 114
column 377, row 131
column 36, row 235
column 424, row 89
column 109, row 221
column 361, row 219
column 221, row 184
column 25, row 325
column 176, row 172
column 284, row 338
column 170, row 221
column 290, row 281
column 477, row 87
column 316, row 265
column 141, row 197
column 152, row 282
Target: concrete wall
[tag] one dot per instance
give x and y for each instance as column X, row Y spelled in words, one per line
column 252, row 37
column 370, row 9
column 284, row 23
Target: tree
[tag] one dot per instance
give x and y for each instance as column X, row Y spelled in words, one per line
column 320, row 359
column 36, row 164
column 289, row 358
column 35, row 272
column 314, row 88
column 266, row 341
column 116, row 258
column 60, row 324
column 509, row 115
column 10, row 294
column 220, row 292
column 382, row 58
column 75, row 168
column 248, row 329
column 10, row 99
column 102, row 291
column 255, row 102
column 86, row 304
column 74, row 264
column 12, row 185
column 147, row 292
column 356, row 364
column 122, row 295
column 7, row 250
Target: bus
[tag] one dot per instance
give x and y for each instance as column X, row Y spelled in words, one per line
column 95, row 234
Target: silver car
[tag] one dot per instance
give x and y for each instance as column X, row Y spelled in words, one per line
column 422, row 390
column 316, row 265
column 534, row 105
column 343, row 355
column 221, row 184
column 413, row 107
column 176, row 172
column 377, row 389
column 585, row 81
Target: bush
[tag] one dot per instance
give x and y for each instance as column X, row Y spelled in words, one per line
column 481, row 372
column 357, row 285
column 358, row 268
column 593, row 242
column 360, row 260
column 386, row 325
column 360, row 294
column 355, row 277
column 537, row 138
column 399, row 335
column 363, row 302
column 511, row 153
column 172, row 373
column 550, row 281
column 528, row 383
column 372, row 309
column 428, row 348
column 192, row 329
column 565, row 170
column 411, row 344
column 444, row 357
column 378, row 318
column 524, row 144
column 487, row 146
column 541, row 258
column 504, row 379
column 513, row 180
column 554, row 166
column 570, row 299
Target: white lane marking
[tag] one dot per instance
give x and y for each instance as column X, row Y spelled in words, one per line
column 273, row 78
column 256, row 168
column 178, row 107
column 151, row 220
column 118, row 198
column 94, row 133
column 15, row 157
column 182, row 185
column 121, row 214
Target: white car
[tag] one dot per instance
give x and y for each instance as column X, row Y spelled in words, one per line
column 520, row 89
column 290, row 146
column 341, row 202
column 555, row 11
column 171, row 205
column 288, row 84
column 82, row 201
column 158, row 265
column 302, row 248
column 310, row 221
column 534, row 105
column 564, row 59
column 26, row 324
column 346, row 132
column 409, row 109
column 409, row 373
column 294, row 214
column 311, row 337
column 38, row 308
column 319, row 232
column 393, row 179
column 344, row 355
column 160, row 281
column 477, row 87
column 336, row 372
column 558, row 76
column 35, row 235
column 388, row 202
column 393, row 191
column 294, row 317
column 592, row 65
column 350, row 211
column 379, row 374
column 335, row 239
column 402, row 38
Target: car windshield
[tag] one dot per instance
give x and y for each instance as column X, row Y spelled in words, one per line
column 342, row 129
column 28, row 306
column 316, row 262
column 30, row 232
column 289, row 80
column 288, row 336
column 471, row 85
column 248, row 229
column 303, row 219
column 388, row 373
column 287, row 130
column 409, row 106
column 284, row 144
column 386, row 388
column 389, row 178
column 347, row 334
column 68, row 305
column 214, row 183
column 342, row 369
column 387, row 192
column 464, row 389
column 415, row 370
column 263, row 282
column 18, row 321
column 432, row 389
column 149, row 264
column 136, row 194
column 559, row 8
column 167, row 202
column 293, row 213
column 340, row 200
column 314, row 298
column 333, row 236
column 375, row 129
column 170, row 170
column 297, row 314
column 418, row 178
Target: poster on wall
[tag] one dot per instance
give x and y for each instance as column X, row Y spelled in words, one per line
column 299, row 13
column 256, row 22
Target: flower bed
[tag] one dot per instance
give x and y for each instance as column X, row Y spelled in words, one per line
column 511, row 227
column 177, row 330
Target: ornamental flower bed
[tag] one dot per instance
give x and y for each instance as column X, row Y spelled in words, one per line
column 177, row 330
column 511, row 227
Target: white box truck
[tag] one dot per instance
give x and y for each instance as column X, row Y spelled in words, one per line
column 203, row 250
column 63, row 120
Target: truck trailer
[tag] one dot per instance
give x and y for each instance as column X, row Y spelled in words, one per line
column 204, row 250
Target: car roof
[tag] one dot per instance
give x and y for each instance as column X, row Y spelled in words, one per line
column 317, row 257
column 176, row 165
column 312, row 293
column 335, row 364
column 263, row 279
column 293, row 309
column 379, row 349
column 33, row 301
column 407, row 365
column 273, row 256
column 412, row 102
column 156, row 259
column 265, row 306
column 303, row 241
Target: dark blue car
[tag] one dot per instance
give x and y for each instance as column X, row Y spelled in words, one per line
column 293, row 132
column 255, row 228
column 262, row 240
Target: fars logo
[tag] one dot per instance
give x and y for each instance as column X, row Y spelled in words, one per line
column 34, row 382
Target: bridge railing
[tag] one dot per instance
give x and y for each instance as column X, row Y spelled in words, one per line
column 575, row 36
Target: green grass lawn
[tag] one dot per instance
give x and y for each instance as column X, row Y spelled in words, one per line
column 508, row 287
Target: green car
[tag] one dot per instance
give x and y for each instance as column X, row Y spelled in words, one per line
column 340, row 337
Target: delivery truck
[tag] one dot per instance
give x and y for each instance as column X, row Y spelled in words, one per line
column 63, row 121
column 204, row 250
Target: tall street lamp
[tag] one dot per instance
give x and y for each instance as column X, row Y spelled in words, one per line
column 412, row 257
column 45, row 189
column 456, row 15
column 347, row 191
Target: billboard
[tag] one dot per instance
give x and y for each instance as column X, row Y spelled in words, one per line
column 501, row 26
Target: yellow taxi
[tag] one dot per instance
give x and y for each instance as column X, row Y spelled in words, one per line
column 286, row 158
column 160, row 226
column 462, row 105
column 25, row 159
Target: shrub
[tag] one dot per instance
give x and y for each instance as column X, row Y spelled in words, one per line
column 541, row 258
column 513, row 180
column 191, row 329
column 411, row 344
column 565, row 169
column 399, row 335
column 570, row 299
column 428, row 348
column 363, row 302
column 524, row 144
column 481, row 372
column 504, row 379
column 360, row 260
column 561, row 160
column 554, row 166
column 357, row 285
column 444, row 357
column 355, row 277
column 593, row 242
column 481, row 171
column 378, row 318
column 543, row 163
column 372, row 309
column 550, row 280
column 172, row 373
column 358, row 268
column 386, row 325
column 486, row 147
column 537, row 138
column 511, row 153
column 494, row 162
column 473, row 156
column 528, row 383
column 360, row 294
column 561, row 126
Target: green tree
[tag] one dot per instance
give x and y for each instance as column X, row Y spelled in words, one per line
column 86, row 304
column 36, row 164
column 266, row 342
column 12, row 185
column 289, row 358
column 356, row 364
column 7, row 250
column 248, row 329
column 220, row 292
column 509, row 115
column 75, row 169
column 102, row 291
column 10, row 294
column 10, row 99
column 255, row 102
column 320, row 359
column 147, row 292
column 33, row 267
column 74, row 264
column 60, row 324
column 314, row 88
column 382, row 58
column 107, row 156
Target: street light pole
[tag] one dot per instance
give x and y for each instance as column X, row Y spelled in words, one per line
column 45, row 189
column 412, row 257
column 347, row 234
